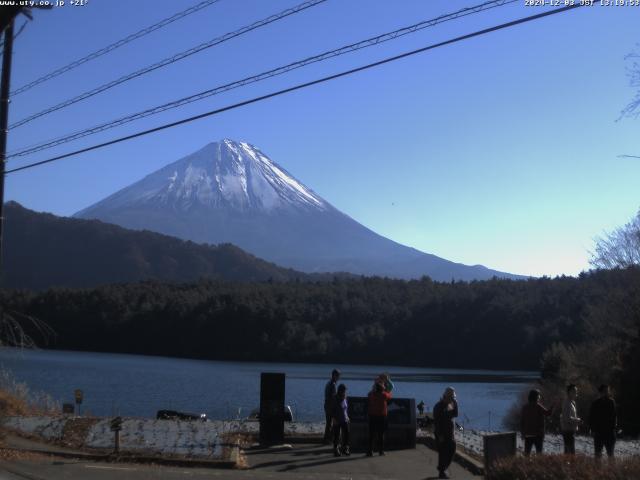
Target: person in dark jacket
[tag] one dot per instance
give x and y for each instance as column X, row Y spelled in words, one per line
column 330, row 391
column 444, row 413
column 341, row 423
column 377, row 410
column 603, row 421
column 532, row 419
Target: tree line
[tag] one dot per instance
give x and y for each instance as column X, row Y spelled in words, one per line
column 569, row 327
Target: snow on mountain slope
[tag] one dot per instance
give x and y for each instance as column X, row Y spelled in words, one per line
column 224, row 174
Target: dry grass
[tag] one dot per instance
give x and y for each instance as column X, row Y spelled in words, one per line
column 11, row 405
column 17, row 399
column 560, row 467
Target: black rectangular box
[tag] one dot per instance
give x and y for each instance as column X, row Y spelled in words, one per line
column 272, row 408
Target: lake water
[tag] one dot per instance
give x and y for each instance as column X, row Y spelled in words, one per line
column 135, row 385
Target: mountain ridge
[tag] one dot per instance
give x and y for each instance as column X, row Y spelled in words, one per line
column 43, row 250
column 231, row 192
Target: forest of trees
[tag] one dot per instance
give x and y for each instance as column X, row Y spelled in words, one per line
column 494, row 324
column 502, row 324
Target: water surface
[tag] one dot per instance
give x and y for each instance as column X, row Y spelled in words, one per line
column 136, row 385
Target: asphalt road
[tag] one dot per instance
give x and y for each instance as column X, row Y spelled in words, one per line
column 305, row 462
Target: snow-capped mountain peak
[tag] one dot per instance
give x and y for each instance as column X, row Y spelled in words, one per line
column 231, row 192
column 225, row 174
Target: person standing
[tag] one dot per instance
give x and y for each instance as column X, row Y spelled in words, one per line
column 603, row 422
column 569, row 420
column 330, row 391
column 444, row 413
column 341, row 423
column 377, row 410
column 532, row 419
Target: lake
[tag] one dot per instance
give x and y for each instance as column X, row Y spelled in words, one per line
column 135, row 385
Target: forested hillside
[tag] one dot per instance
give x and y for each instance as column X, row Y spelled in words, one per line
column 42, row 250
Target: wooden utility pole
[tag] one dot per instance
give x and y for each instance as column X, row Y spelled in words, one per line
column 4, row 119
column 7, row 17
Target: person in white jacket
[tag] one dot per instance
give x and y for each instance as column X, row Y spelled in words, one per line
column 569, row 420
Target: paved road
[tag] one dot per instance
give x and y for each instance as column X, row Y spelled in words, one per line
column 305, row 462
column 318, row 460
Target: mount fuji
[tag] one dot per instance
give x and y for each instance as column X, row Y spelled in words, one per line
column 231, row 192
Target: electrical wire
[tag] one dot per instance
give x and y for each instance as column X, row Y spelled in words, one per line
column 113, row 46
column 299, row 86
column 259, row 77
column 169, row 60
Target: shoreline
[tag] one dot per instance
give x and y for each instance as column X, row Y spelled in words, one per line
column 534, row 374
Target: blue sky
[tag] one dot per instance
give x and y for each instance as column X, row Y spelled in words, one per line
column 501, row 150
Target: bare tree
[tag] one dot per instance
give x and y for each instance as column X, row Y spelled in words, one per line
column 620, row 248
column 633, row 72
column 12, row 329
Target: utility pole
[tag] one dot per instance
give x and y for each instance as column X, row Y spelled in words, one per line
column 7, row 17
column 4, row 119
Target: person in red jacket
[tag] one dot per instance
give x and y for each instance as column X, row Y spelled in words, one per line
column 377, row 409
column 532, row 420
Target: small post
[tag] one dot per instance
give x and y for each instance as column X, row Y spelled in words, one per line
column 79, row 395
column 116, row 426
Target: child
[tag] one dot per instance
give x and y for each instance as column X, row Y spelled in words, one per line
column 341, row 422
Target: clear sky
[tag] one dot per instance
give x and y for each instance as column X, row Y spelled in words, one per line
column 501, row 150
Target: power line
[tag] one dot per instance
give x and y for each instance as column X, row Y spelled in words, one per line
column 115, row 45
column 170, row 60
column 259, row 77
column 262, row 76
column 299, row 86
